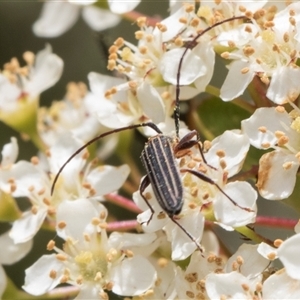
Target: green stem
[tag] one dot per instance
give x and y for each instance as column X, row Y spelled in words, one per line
column 252, row 235
column 37, row 141
column 197, row 123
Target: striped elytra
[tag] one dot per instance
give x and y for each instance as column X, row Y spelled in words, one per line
column 163, row 173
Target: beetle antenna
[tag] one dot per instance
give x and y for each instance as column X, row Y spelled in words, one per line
column 149, row 124
column 190, row 45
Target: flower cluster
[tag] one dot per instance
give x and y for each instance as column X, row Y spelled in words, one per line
column 69, row 188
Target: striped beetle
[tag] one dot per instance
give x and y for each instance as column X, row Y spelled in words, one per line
column 159, row 158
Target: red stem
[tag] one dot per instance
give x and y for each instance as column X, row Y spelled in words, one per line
column 123, row 202
column 275, row 222
column 122, row 225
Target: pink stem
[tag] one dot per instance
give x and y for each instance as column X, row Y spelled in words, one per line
column 123, row 202
column 122, row 225
column 65, row 292
column 275, row 222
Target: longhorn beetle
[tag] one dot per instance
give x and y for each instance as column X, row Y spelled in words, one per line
column 159, row 157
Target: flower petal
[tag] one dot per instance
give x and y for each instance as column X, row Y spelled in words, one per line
column 182, row 245
column 133, row 276
column 192, row 66
column 99, row 19
column 46, row 72
column 284, row 85
column 287, row 253
column 253, row 262
column 235, row 147
column 3, row 281
column 229, row 284
column 144, row 244
column 27, row 226
column 173, row 25
column 232, row 215
column 56, row 18
column 151, row 102
column 9, row 153
column 280, row 286
column 9, row 93
column 269, row 118
column 101, row 178
column 266, row 250
column 236, row 82
column 37, row 279
column 277, row 175
column 89, row 291
column 122, row 7
column 206, row 52
column 13, row 252
column 77, row 216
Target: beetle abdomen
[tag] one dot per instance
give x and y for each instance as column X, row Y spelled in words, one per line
column 163, row 173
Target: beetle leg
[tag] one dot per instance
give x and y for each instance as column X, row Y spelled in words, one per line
column 187, row 233
column 210, row 181
column 187, row 142
column 145, row 182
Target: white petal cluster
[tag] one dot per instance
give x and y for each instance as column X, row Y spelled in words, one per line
column 76, row 113
column 90, row 260
column 34, row 179
column 267, row 49
column 20, row 84
column 275, row 128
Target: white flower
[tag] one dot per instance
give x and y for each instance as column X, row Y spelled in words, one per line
column 245, row 274
column 269, row 52
column 20, row 88
column 280, row 286
column 285, row 283
column 33, row 180
column 76, row 113
column 58, row 17
column 188, row 282
column 113, row 113
column 275, row 128
column 26, row 84
column 90, row 260
column 208, row 277
column 241, row 277
column 120, row 107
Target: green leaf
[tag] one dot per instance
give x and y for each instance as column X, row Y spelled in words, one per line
column 218, row 116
